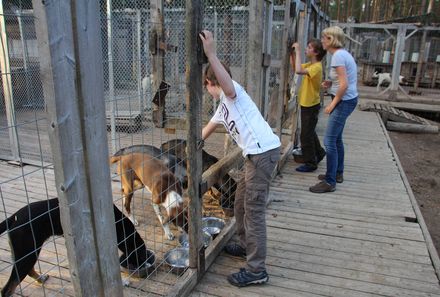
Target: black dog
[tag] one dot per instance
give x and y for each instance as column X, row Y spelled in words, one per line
column 174, row 164
column 226, row 185
column 33, row 224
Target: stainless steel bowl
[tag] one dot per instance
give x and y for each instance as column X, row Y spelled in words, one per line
column 213, row 225
column 177, row 259
column 184, row 240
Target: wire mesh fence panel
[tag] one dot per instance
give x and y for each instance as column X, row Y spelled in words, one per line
column 375, row 50
column 229, row 25
column 23, row 122
column 161, row 216
column 141, row 147
column 27, row 199
column 29, row 216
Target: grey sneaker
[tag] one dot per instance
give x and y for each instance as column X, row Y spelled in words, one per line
column 322, row 187
column 339, row 177
column 245, row 278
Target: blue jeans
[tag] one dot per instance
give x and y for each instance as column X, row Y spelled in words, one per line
column 334, row 146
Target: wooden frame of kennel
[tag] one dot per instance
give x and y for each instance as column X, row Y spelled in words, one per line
column 402, row 36
column 69, row 68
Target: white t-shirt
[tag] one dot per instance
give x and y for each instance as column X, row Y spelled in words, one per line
column 244, row 122
column 343, row 58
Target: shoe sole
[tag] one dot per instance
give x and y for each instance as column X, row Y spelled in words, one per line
column 321, row 192
column 255, row 282
column 305, row 171
column 243, row 257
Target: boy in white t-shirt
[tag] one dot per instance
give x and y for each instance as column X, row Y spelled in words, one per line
column 261, row 149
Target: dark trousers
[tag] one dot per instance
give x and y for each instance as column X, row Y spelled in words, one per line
column 310, row 145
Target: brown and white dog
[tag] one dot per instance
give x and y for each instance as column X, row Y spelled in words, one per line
column 139, row 170
column 226, row 185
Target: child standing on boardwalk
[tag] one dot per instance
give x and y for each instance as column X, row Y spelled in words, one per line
column 261, row 149
column 310, row 101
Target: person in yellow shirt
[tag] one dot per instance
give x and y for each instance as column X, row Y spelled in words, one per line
column 310, row 101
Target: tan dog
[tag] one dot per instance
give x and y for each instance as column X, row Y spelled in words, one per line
column 139, row 170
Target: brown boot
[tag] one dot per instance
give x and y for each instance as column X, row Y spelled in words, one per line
column 322, row 187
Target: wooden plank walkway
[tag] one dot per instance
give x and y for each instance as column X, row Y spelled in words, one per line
column 360, row 240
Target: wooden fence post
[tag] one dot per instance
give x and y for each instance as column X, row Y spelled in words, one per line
column 194, row 98
column 284, row 70
column 72, row 72
column 255, row 53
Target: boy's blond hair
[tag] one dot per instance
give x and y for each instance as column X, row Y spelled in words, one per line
column 336, row 36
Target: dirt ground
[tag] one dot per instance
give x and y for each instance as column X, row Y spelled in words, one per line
column 419, row 155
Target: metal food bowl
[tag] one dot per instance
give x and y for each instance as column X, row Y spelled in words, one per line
column 184, row 240
column 213, row 225
column 143, row 271
column 177, row 259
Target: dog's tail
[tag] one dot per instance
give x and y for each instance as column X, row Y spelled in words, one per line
column 8, row 222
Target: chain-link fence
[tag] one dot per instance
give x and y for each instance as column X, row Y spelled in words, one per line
column 375, row 48
column 131, row 84
column 143, row 93
column 22, row 113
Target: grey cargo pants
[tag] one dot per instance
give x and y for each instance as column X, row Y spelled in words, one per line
column 250, row 207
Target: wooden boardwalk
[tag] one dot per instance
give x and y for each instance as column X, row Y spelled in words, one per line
column 361, row 240
column 358, row 241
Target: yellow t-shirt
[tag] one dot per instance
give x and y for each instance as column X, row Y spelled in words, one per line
column 311, row 84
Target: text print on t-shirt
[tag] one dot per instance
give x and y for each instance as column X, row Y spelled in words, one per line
column 230, row 126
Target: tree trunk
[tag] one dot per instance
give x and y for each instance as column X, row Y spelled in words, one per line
column 422, row 7
column 367, row 11
column 431, row 6
column 375, row 5
column 338, row 5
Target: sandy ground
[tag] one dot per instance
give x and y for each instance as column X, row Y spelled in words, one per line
column 420, row 158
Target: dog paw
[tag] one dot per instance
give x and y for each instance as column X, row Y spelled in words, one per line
column 42, row 278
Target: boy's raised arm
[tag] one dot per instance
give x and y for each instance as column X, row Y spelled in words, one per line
column 297, row 67
column 222, row 76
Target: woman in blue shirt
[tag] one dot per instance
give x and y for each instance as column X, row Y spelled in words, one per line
column 343, row 90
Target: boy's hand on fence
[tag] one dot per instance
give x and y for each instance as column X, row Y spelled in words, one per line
column 295, row 46
column 208, row 43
